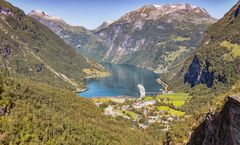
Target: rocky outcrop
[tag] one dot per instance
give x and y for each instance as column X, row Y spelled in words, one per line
column 2, row 112
column 222, row 128
column 198, row 75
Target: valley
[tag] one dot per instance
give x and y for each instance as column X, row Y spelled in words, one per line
column 160, row 74
column 156, row 38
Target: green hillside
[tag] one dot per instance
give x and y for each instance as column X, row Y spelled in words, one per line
column 216, row 61
column 29, row 49
column 76, row 36
column 33, row 113
column 209, row 75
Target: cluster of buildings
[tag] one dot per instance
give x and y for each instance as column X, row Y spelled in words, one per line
column 146, row 113
column 141, row 104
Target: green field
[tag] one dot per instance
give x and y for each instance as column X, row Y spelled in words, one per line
column 179, row 39
column 148, row 98
column 131, row 114
column 170, row 110
column 104, row 100
column 177, row 99
column 235, row 48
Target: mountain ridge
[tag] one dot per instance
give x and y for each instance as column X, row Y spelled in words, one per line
column 146, row 37
column 31, row 50
column 77, row 37
column 129, row 39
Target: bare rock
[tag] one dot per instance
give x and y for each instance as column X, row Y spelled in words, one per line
column 222, row 128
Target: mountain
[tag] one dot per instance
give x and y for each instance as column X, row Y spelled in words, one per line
column 29, row 49
column 220, row 128
column 77, row 37
column 32, row 112
column 217, row 59
column 210, row 74
column 155, row 37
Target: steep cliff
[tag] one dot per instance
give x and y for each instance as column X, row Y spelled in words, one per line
column 222, row 128
column 217, row 59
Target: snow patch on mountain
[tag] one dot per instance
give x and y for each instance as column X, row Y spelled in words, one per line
column 139, row 25
column 157, row 6
column 156, row 12
column 109, row 22
column 44, row 15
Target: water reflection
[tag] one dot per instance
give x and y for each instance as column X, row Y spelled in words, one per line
column 122, row 82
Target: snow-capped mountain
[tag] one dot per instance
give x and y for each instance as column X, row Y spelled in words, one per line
column 155, row 36
column 45, row 15
column 155, row 12
column 104, row 25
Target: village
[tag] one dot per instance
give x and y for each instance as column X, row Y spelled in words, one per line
column 162, row 108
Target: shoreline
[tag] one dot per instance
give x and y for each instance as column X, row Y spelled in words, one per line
column 114, row 97
column 93, row 77
column 118, row 99
column 107, row 74
column 164, row 84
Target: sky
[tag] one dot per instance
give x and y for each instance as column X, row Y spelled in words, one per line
column 92, row 13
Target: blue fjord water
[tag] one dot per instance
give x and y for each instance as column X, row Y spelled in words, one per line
column 122, row 82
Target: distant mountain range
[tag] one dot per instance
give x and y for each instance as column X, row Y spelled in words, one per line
column 156, row 37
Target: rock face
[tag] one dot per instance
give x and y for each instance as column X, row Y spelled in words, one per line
column 2, row 112
column 217, row 59
column 77, row 37
column 156, row 37
column 196, row 75
column 220, row 129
